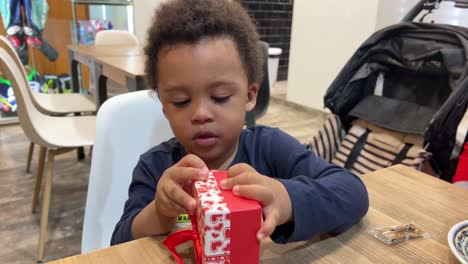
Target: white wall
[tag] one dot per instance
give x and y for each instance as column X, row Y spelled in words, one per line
column 324, row 36
column 392, row 11
column 144, row 10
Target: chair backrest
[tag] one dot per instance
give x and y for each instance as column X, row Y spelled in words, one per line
column 30, row 118
column 5, row 43
column 115, row 37
column 127, row 125
column 263, row 97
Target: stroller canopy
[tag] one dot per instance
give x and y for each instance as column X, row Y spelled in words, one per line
column 412, row 78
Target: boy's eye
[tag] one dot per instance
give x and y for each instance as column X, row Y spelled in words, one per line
column 221, row 99
column 181, row 103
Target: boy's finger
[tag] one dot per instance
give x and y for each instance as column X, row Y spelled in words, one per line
column 175, row 208
column 255, row 192
column 177, row 195
column 246, row 178
column 188, row 187
column 183, row 174
column 168, row 207
column 239, row 169
column 191, row 161
column 268, row 226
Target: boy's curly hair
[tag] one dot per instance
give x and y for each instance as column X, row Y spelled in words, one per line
column 188, row 21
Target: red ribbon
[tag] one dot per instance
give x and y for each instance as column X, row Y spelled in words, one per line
column 181, row 236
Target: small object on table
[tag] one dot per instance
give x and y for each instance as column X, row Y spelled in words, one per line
column 397, row 234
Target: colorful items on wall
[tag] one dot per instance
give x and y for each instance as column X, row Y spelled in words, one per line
column 89, row 28
column 26, row 31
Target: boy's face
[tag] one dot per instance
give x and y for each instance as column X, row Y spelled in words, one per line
column 205, row 94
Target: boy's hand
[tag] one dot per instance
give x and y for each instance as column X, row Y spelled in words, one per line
column 171, row 198
column 247, row 182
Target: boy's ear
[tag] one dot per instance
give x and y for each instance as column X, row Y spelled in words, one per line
column 251, row 97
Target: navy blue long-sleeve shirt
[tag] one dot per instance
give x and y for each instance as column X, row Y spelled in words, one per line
column 324, row 197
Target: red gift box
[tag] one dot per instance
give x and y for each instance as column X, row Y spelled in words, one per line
column 224, row 227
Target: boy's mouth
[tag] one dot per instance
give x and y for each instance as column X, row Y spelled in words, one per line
column 205, row 139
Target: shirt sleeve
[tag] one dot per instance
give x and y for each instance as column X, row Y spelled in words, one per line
column 141, row 192
column 324, row 197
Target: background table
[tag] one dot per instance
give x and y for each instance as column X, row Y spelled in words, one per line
column 126, row 71
column 398, row 195
column 114, row 62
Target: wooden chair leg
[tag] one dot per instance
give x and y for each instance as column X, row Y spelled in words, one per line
column 30, row 153
column 40, row 170
column 45, row 204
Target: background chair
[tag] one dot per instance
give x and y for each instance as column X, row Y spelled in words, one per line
column 263, row 97
column 127, row 126
column 55, row 135
column 115, row 37
column 51, row 104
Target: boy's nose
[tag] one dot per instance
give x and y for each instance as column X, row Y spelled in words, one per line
column 201, row 113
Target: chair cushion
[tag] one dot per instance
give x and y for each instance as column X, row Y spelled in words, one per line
column 368, row 147
column 326, row 141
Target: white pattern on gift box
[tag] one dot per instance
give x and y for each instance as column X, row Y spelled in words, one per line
column 213, row 221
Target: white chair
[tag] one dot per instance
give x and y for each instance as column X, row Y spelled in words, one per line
column 127, row 126
column 53, row 104
column 50, row 104
column 115, row 37
column 55, row 136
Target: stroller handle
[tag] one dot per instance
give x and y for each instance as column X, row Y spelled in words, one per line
column 430, row 5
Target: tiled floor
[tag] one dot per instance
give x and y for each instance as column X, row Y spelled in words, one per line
column 299, row 121
column 19, row 227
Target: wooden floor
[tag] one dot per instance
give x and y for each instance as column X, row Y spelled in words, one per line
column 19, row 227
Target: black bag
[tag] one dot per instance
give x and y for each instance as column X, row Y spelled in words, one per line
column 420, row 68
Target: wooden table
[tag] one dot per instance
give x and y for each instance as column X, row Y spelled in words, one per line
column 128, row 64
column 398, row 195
column 127, row 71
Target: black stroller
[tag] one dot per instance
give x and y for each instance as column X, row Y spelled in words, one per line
column 401, row 98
